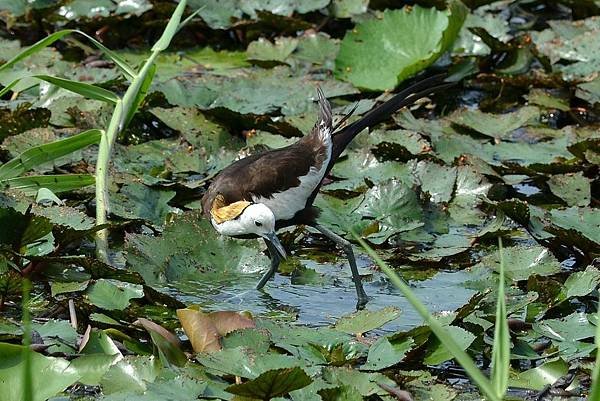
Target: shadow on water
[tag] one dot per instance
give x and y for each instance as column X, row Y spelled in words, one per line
column 322, row 303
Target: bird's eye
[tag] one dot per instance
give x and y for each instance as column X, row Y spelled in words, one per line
column 258, row 224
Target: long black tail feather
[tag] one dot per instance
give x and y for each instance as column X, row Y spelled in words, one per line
column 411, row 94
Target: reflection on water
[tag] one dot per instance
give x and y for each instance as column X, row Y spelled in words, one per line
column 321, row 304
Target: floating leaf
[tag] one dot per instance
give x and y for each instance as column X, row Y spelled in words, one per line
column 57, row 374
column 386, row 352
column 574, row 189
column 367, row 64
column 112, row 294
column 540, row 377
column 366, row 320
column 438, row 353
column 272, row 383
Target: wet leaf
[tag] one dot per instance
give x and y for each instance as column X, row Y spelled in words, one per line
column 340, row 393
column 538, row 378
column 498, row 126
column 432, row 33
column 523, row 262
column 366, row 320
column 132, row 373
column 137, row 201
column 438, row 353
column 571, row 41
column 386, row 352
column 573, row 188
column 58, row 374
column 92, row 367
column 586, row 221
column 264, row 50
column 272, row 383
column 579, row 284
column 190, row 245
column 113, row 294
column 221, row 14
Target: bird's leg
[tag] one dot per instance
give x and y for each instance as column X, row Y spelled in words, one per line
column 275, row 260
column 346, row 246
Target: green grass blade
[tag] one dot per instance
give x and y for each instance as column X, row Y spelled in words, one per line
column 595, row 388
column 171, row 28
column 501, row 347
column 461, row 356
column 190, row 17
column 114, row 57
column 141, row 94
column 9, row 87
column 87, row 90
column 26, row 320
column 38, row 155
column 30, row 184
column 47, row 41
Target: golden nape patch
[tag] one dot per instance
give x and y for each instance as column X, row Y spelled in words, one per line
column 222, row 213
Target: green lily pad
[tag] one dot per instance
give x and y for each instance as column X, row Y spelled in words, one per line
column 189, row 246
column 573, row 188
column 583, row 220
column 582, row 283
column 317, row 48
column 59, row 334
column 264, row 50
column 366, row 320
column 574, row 42
column 132, row 373
column 138, row 201
column 394, row 206
column 57, row 374
column 220, row 14
column 540, row 377
column 272, row 383
column 574, row 327
column 386, row 352
column 438, row 353
column 349, row 8
column 375, row 55
column 93, row 367
column 522, row 262
column 113, row 294
column 498, row 126
column 340, row 393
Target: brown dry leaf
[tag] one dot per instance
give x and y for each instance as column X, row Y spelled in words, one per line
column 149, row 325
column 228, row 321
column 200, row 329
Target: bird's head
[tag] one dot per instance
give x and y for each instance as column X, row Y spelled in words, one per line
column 245, row 218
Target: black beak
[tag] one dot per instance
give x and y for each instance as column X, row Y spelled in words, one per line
column 272, row 238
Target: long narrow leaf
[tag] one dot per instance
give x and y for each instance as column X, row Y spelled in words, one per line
column 595, row 388
column 171, row 28
column 445, row 338
column 47, row 41
column 8, row 87
column 30, row 184
column 114, row 57
column 87, row 90
column 41, row 154
column 501, row 348
column 141, row 94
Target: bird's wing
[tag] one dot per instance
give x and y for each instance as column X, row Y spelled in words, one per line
column 260, row 175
